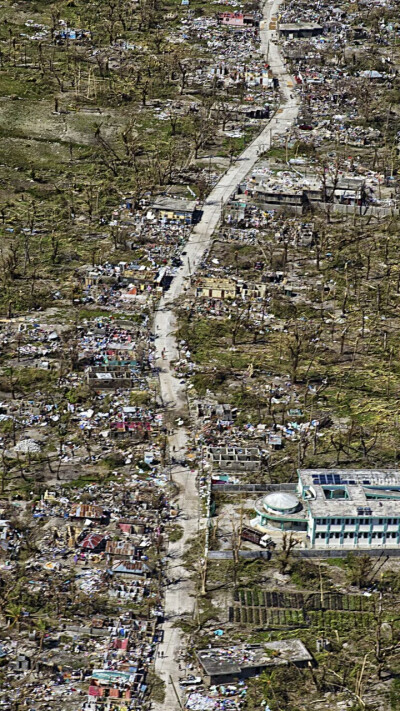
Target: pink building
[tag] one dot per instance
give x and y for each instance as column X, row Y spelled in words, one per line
column 233, row 19
column 237, row 19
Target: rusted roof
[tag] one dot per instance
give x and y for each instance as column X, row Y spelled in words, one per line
column 120, row 548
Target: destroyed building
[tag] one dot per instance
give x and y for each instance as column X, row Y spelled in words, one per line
column 224, row 665
column 300, row 29
column 245, row 459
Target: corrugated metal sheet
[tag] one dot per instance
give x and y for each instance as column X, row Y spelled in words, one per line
column 92, row 541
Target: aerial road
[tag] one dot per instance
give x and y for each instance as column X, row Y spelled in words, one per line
column 180, row 595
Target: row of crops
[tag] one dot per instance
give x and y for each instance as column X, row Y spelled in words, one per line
column 304, row 601
column 282, row 617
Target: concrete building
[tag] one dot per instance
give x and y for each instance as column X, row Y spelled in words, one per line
column 355, row 508
column 309, row 191
column 300, row 29
column 352, row 508
column 239, row 19
column 226, row 664
column 215, row 288
column 282, row 511
column 175, row 210
column 111, row 377
column 246, row 459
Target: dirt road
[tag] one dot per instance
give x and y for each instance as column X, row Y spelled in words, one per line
column 179, row 594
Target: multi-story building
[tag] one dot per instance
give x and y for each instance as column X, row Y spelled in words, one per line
column 339, row 509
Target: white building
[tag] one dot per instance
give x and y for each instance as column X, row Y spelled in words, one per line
column 338, row 509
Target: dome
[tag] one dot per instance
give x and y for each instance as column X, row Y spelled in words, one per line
column 280, row 502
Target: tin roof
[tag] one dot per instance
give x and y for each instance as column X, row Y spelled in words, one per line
column 92, row 541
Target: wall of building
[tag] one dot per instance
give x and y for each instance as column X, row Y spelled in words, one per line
column 283, row 523
column 340, row 532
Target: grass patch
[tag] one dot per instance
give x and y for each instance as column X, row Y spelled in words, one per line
column 175, row 533
column 156, row 687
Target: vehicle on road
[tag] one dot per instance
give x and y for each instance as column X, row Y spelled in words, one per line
column 190, row 680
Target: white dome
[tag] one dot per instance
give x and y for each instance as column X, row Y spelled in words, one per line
column 279, row 501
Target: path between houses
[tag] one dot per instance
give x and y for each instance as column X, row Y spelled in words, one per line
column 180, row 595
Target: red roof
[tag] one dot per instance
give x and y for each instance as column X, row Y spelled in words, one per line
column 120, row 644
column 126, row 527
column 95, row 691
column 92, row 541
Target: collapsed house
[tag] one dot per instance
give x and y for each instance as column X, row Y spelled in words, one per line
column 246, row 459
column 224, row 665
column 226, row 288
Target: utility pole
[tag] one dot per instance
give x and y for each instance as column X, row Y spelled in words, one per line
column 175, row 691
column 321, row 585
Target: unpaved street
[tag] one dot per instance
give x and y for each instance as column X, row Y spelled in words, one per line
column 179, row 595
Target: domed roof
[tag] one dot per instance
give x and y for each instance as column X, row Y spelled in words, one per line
column 280, row 501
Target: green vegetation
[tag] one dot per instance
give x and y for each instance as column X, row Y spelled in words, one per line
column 335, row 344
column 157, row 687
column 395, row 695
column 80, row 130
column 175, row 533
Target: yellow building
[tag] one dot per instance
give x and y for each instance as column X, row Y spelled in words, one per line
column 217, row 288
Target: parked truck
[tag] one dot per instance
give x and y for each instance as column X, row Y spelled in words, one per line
column 257, row 537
